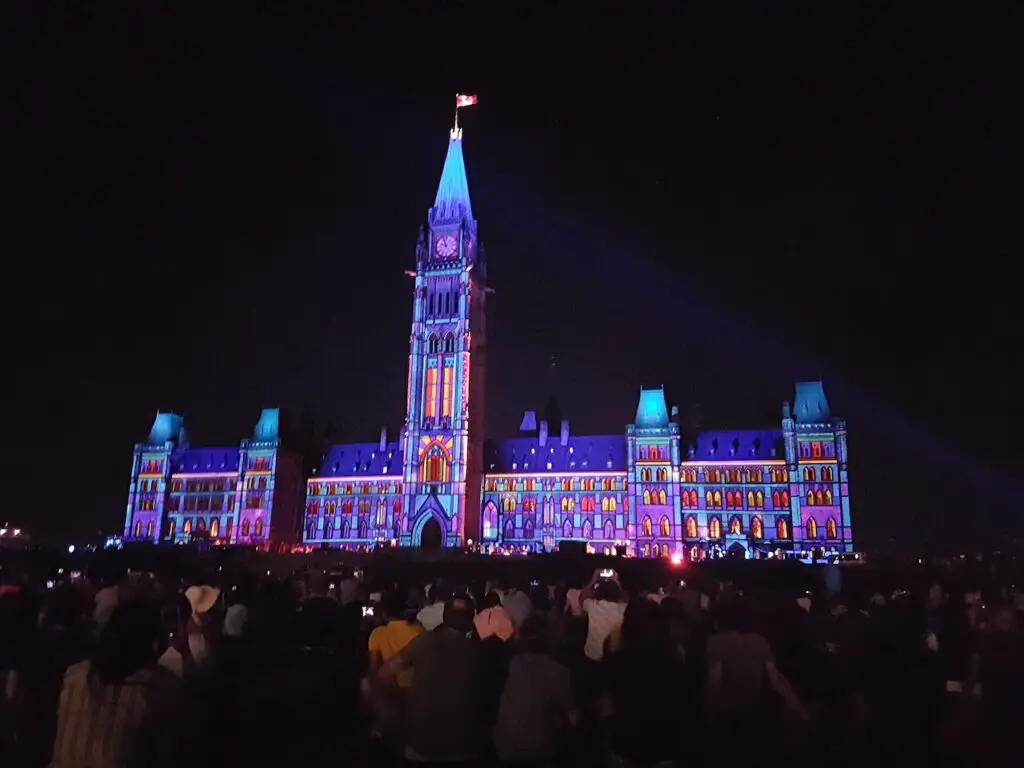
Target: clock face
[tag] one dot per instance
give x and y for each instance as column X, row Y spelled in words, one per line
column 446, row 247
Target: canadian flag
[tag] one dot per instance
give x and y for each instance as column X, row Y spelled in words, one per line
column 464, row 100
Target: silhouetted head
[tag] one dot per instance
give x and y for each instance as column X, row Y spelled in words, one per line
column 127, row 643
column 458, row 614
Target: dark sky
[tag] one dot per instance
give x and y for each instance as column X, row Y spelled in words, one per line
column 213, row 213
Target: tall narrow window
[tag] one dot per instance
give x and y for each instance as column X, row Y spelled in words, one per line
column 214, row 528
column 811, row 528
column 757, row 528
column 714, row 528
column 666, row 528
column 781, row 528
column 691, row 527
column 448, row 392
column 430, row 406
column 138, row 529
column 831, row 530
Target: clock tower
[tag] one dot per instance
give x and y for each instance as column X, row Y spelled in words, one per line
column 443, row 449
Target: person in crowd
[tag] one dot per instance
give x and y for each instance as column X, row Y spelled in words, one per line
column 603, row 603
column 431, row 615
column 61, row 639
column 633, row 705
column 319, row 621
column 104, row 699
column 445, row 722
column 536, row 704
column 516, row 603
column 397, row 629
column 741, row 670
column 198, row 632
column 493, row 620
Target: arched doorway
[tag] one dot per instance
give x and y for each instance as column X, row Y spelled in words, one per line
column 431, row 537
column 736, row 550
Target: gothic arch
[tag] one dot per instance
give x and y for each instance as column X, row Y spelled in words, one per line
column 490, row 521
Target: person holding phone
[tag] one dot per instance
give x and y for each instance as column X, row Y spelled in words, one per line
column 603, row 603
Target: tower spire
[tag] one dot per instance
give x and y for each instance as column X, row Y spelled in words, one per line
column 453, row 189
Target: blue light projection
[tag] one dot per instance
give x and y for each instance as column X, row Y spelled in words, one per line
column 652, row 489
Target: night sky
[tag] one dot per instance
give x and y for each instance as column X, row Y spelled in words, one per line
column 213, row 214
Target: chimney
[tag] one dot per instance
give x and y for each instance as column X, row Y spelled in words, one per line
column 565, row 431
column 384, row 438
column 543, row 433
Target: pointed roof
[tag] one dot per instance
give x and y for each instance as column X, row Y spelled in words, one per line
column 811, row 405
column 651, row 410
column 453, row 190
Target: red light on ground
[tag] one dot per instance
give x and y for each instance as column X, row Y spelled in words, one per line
column 677, row 559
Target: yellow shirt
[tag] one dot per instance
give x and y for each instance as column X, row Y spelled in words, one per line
column 390, row 639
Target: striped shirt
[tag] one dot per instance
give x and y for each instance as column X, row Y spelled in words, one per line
column 95, row 723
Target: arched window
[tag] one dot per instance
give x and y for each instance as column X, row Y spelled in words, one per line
column 435, row 467
column 709, row 500
column 819, row 498
column 826, row 473
column 364, row 528
column 187, row 527
column 831, row 529
column 693, row 499
column 756, row 528
column 666, row 528
column 310, row 530
column 811, row 528
column 655, row 551
column 567, row 528
column 258, row 528
column 138, row 529
column 344, row 529
column 215, row 528
column 735, row 526
column 691, row 527
column 449, row 343
column 647, row 527
column 662, row 475
column 714, row 528
column 245, row 527
column 170, row 528
column 645, row 475
column 781, row 528
column 759, row 500
column 828, row 496
column 432, row 341
column 490, row 521
column 662, row 498
column 647, row 496
column 718, row 499
column 149, row 530
column 609, row 530
column 528, row 528
column 785, row 499
column 588, row 530
column 810, row 497
column 776, row 500
column 328, row 529
column 549, row 511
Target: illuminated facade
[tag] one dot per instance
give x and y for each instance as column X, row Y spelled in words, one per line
column 424, row 489
column 654, row 490
column 251, row 494
column 661, row 493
